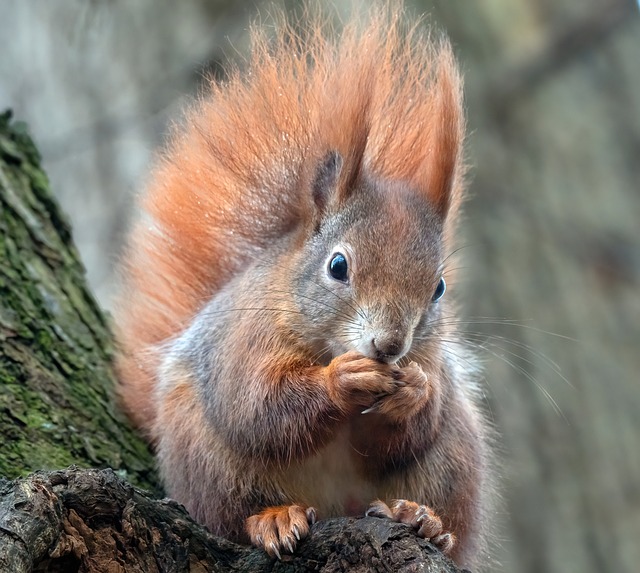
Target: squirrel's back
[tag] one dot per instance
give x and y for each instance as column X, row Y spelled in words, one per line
column 235, row 176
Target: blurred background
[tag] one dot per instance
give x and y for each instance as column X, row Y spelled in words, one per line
column 551, row 236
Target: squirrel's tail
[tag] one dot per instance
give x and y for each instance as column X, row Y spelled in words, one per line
column 235, row 176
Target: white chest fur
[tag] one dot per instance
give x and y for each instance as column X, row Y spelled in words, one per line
column 331, row 481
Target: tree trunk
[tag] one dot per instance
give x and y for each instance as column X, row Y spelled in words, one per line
column 55, row 348
column 55, row 395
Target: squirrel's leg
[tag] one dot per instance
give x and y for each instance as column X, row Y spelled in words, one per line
column 348, row 384
column 418, row 396
column 278, row 529
column 438, row 441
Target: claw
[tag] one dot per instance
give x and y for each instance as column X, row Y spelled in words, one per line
column 296, row 532
column 421, row 513
column 444, row 542
column 274, row 548
column 370, row 409
column 288, row 544
column 311, row 515
column 379, row 509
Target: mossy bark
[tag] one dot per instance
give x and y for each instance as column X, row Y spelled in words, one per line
column 55, row 374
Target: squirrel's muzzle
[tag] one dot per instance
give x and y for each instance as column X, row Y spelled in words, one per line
column 388, row 348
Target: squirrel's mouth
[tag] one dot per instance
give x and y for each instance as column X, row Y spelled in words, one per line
column 388, row 358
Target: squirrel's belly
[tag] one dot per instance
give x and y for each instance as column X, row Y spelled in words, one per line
column 331, row 481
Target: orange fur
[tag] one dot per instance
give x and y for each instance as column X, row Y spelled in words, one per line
column 233, row 178
column 283, row 524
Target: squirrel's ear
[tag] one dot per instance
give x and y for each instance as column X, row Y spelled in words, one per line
column 325, row 182
column 443, row 168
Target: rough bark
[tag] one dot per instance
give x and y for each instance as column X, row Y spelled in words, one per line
column 92, row 521
column 55, row 347
column 57, row 408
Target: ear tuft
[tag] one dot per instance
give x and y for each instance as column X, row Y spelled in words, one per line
column 326, row 179
column 443, row 168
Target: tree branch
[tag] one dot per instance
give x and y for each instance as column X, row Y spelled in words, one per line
column 511, row 84
column 91, row 520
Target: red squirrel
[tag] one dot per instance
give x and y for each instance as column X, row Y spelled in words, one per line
column 286, row 342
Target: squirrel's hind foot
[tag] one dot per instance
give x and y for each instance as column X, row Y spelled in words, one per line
column 278, row 529
column 421, row 517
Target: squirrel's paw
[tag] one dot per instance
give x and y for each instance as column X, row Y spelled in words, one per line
column 421, row 517
column 408, row 399
column 358, row 379
column 278, row 529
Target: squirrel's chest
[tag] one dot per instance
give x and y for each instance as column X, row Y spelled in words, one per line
column 333, row 480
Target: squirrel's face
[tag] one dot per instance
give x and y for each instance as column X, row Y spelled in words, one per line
column 370, row 278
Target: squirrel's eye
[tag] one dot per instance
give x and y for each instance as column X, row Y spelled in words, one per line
column 338, row 267
column 442, row 286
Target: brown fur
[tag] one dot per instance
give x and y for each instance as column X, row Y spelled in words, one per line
column 247, row 145
column 249, row 388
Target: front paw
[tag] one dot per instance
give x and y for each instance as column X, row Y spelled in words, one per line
column 278, row 529
column 408, row 399
column 420, row 517
column 356, row 380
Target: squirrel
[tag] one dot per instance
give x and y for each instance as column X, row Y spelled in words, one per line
column 285, row 340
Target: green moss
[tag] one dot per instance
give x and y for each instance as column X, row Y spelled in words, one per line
column 55, row 376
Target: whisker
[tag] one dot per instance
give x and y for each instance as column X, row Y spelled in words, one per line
column 555, row 368
column 518, row 369
column 359, row 311
column 250, row 309
column 532, row 379
column 494, row 348
column 333, row 308
column 455, row 251
column 316, row 357
column 450, row 320
column 497, row 321
column 476, row 337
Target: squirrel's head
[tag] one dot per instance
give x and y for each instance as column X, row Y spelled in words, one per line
column 381, row 182
column 369, row 276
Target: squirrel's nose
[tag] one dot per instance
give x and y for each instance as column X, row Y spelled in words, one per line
column 387, row 349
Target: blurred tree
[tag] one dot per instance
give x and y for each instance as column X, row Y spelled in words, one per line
column 553, row 239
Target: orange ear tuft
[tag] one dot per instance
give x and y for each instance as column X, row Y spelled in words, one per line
column 442, row 164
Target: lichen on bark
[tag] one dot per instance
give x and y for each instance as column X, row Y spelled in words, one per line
column 56, row 379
